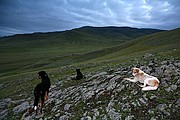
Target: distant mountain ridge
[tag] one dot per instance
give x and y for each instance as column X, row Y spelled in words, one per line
column 107, row 32
column 126, row 31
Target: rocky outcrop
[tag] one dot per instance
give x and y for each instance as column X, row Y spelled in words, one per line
column 106, row 95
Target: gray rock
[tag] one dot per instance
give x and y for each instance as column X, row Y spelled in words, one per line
column 164, row 83
column 129, row 117
column 104, row 117
column 153, row 118
column 112, row 83
column 118, row 72
column 87, row 94
column 177, row 65
column 151, row 111
column 142, row 101
column 126, row 107
column 86, row 118
column 110, row 76
column 153, row 97
column 173, row 87
column 39, row 116
column 4, row 103
column 119, row 88
column 3, row 114
column 96, row 112
column 57, row 115
column 66, row 116
column 178, row 102
column 164, row 62
column 98, row 75
column 27, row 116
column 20, row 108
column 161, row 107
column 114, row 115
column 168, row 89
column 67, row 106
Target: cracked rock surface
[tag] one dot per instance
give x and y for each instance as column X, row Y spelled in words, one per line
column 107, row 96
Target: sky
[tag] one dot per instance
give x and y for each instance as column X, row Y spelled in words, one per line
column 28, row 16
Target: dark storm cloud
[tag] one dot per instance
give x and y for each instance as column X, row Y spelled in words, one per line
column 26, row 16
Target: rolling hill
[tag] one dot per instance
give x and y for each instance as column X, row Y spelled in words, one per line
column 158, row 43
column 105, row 56
column 31, row 51
column 26, row 54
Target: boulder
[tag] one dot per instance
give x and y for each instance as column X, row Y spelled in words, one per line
column 20, row 108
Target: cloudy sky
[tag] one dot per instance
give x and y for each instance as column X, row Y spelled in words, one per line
column 27, row 16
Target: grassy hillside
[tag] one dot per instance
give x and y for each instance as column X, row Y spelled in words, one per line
column 160, row 43
column 163, row 43
column 20, row 59
column 60, row 53
column 104, row 63
column 29, row 52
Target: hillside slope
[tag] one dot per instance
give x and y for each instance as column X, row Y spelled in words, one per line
column 102, row 93
column 158, row 43
column 28, row 52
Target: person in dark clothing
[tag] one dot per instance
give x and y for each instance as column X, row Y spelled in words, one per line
column 39, row 94
column 79, row 74
column 45, row 82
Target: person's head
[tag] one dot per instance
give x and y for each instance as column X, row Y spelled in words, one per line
column 42, row 74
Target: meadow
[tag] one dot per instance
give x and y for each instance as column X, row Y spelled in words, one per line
column 88, row 48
